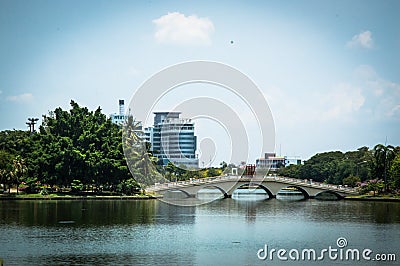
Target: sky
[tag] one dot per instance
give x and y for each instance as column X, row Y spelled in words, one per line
column 329, row 70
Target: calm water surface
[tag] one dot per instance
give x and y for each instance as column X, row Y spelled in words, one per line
column 225, row 232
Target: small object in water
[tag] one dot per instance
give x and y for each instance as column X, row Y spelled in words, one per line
column 66, row 222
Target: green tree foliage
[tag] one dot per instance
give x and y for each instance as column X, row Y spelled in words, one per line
column 333, row 167
column 140, row 160
column 80, row 144
column 18, row 171
column 383, row 156
column 213, row 172
column 351, row 168
column 351, row 181
column 375, row 185
column 6, row 165
column 129, row 187
column 70, row 145
column 395, row 172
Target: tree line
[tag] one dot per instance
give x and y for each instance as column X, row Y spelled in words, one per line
column 376, row 169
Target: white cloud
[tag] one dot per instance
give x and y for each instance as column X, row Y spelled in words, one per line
column 383, row 95
column 21, row 98
column 365, row 97
column 176, row 28
column 363, row 39
column 343, row 100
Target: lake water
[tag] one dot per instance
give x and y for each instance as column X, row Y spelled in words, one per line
column 225, row 232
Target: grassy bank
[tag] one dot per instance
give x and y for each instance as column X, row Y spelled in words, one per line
column 366, row 197
column 75, row 197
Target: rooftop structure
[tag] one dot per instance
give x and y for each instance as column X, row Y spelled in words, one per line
column 120, row 117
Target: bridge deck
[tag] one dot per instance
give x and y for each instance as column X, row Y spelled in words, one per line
column 181, row 185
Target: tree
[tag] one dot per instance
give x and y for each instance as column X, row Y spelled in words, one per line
column 129, row 187
column 5, row 167
column 351, row 181
column 223, row 165
column 395, row 172
column 383, row 156
column 140, row 160
column 374, row 185
column 18, row 171
column 212, row 172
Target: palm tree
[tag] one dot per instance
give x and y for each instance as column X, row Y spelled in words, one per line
column 133, row 129
column 383, row 158
column 140, row 160
column 19, row 170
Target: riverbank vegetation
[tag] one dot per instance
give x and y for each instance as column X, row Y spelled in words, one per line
column 73, row 151
column 374, row 171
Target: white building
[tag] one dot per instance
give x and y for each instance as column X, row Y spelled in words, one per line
column 270, row 161
column 273, row 162
column 121, row 117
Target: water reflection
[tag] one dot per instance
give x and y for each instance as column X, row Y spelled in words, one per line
column 225, row 232
column 250, row 194
column 290, row 194
column 78, row 213
column 209, row 194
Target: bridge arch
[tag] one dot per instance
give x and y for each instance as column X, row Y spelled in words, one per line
column 217, row 187
column 180, row 190
column 302, row 190
column 319, row 195
column 270, row 195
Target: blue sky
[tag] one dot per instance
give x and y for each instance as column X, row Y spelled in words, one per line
column 330, row 70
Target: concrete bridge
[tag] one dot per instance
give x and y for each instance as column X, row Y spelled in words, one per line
column 271, row 184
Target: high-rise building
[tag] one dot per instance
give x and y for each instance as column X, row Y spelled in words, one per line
column 172, row 139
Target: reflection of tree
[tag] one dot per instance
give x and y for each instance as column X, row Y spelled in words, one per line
column 251, row 213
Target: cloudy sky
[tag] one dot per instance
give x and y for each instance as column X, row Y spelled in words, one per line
column 330, row 70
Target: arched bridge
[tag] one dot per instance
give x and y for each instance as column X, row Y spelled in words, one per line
column 271, row 184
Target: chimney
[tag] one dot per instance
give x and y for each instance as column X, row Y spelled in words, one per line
column 121, row 107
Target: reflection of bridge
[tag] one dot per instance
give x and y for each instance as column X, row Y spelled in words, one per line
column 272, row 185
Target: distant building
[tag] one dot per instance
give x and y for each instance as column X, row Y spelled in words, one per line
column 271, row 161
column 292, row 161
column 274, row 162
column 120, row 117
column 172, row 139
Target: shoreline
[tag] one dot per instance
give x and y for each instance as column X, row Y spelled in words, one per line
column 380, row 199
column 141, row 197
column 150, row 197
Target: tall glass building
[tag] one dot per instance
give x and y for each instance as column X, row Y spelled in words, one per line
column 172, row 139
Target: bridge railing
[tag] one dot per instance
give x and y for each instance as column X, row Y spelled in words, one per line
column 210, row 180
